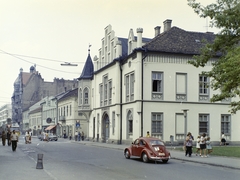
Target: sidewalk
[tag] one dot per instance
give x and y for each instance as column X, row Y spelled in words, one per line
column 220, row 161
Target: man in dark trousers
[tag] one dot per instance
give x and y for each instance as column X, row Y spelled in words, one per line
column 14, row 140
column 9, row 137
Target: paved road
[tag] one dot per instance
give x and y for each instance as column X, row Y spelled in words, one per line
column 22, row 163
column 220, row 161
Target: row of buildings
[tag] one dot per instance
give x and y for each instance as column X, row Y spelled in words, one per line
column 132, row 86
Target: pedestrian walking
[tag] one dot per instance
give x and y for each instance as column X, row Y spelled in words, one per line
column 209, row 146
column 223, row 139
column 189, row 140
column 27, row 137
column 3, row 138
column 82, row 135
column 198, row 145
column 70, row 136
column 9, row 137
column 14, row 140
column 79, row 136
column 203, row 145
column 46, row 135
column 64, row 134
column 76, row 136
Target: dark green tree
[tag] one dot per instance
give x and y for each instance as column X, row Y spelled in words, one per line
column 225, row 74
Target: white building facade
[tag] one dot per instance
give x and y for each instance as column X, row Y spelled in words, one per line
column 141, row 85
column 5, row 114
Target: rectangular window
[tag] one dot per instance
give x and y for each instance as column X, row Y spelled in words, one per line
column 80, row 96
column 129, row 84
column 157, row 82
column 157, row 123
column 181, row 83
column 105, row 79
column 204, row 124
column 203, row 84
column 85, row 96
column 70, row 110
column 181, row 87
column 127, row 87
column 101, row 94
column 110, row 92
column 226, row 124
column 132, row 86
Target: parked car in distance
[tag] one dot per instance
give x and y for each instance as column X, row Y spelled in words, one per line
column 148, row 149
column 51, row 137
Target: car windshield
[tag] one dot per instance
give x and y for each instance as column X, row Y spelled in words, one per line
column 156, row 142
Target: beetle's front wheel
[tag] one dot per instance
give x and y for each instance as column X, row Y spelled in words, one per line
column 127, row 154
column 145, row 158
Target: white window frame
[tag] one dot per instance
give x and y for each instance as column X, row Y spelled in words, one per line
column 203, row 120
column 226, row 124
column 110, row 92
column 157, row 124
column 157, row 80
column 101, row 94
column 203, row 85
column 86, row 95
column 129, row 85
column 80, row 96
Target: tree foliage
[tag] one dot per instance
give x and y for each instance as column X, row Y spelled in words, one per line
column 225, row 74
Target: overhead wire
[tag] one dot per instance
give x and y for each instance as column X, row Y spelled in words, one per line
column 15, row 56
column 34, row 57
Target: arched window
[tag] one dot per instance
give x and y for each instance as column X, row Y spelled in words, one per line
column 130, row 122
column 67, row 110
column 85, row 96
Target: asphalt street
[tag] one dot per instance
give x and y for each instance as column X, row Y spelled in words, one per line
column 13, row 164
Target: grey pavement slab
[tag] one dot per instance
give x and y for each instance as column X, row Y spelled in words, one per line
column 18, row 165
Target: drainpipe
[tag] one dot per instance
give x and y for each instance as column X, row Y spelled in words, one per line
column 145, row 55
column 120, row 67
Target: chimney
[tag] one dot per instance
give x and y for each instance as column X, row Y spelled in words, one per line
column 157, row 30
column 167, row 24
column 139, row 37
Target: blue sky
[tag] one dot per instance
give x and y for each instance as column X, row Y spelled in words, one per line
column 50, row 32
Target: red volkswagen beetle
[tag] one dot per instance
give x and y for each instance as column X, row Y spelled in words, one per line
column 148, row 149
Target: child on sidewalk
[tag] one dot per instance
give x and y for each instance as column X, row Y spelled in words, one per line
column 209, row 146
column 198, row 145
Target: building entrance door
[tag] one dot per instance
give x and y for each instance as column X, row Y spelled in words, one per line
column 105, row 128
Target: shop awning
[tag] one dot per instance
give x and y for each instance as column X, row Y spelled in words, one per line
column 50, row 127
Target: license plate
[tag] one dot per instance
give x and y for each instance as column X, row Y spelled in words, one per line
column 161, row 154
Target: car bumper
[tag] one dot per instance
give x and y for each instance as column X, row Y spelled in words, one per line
column 159, row 158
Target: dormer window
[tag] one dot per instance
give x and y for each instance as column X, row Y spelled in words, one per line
column 197, row 41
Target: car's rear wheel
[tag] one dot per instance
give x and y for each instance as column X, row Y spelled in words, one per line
column 127, row 154
column 145, row 158
column 165, row 160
